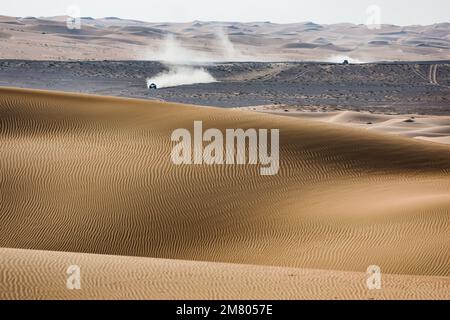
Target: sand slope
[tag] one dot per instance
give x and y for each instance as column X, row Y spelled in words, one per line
column 28, row 274
column 93, row 174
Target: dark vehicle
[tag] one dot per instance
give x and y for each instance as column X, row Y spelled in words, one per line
column 152, row 86
column 345, row 62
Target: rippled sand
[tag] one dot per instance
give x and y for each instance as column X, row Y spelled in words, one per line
column 93, row 175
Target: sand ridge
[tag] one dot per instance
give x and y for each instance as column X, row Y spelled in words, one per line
column 93, row 175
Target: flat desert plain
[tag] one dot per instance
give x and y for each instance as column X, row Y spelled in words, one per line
column 88, row 180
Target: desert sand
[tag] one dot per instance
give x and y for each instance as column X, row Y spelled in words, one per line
column 89, row 180
column 430, row 128
column 119, row 277
column 112, row 38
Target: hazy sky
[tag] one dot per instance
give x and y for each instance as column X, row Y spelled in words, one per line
column 401, row 12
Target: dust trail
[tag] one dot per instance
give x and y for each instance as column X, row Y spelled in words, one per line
column 172, row 52
column 184, row 65
column 228, row 50
column 341, row 58
column 181, row 75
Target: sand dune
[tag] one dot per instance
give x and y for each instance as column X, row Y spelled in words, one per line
column 93, row 174
column 27, row 274
column 49, row 38
column 431, row 128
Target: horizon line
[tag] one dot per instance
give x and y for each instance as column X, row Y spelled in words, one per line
column 224, row 21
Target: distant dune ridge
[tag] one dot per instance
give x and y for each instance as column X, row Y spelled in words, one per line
column 431, row 128
column 93, row 175
column 121, row 39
